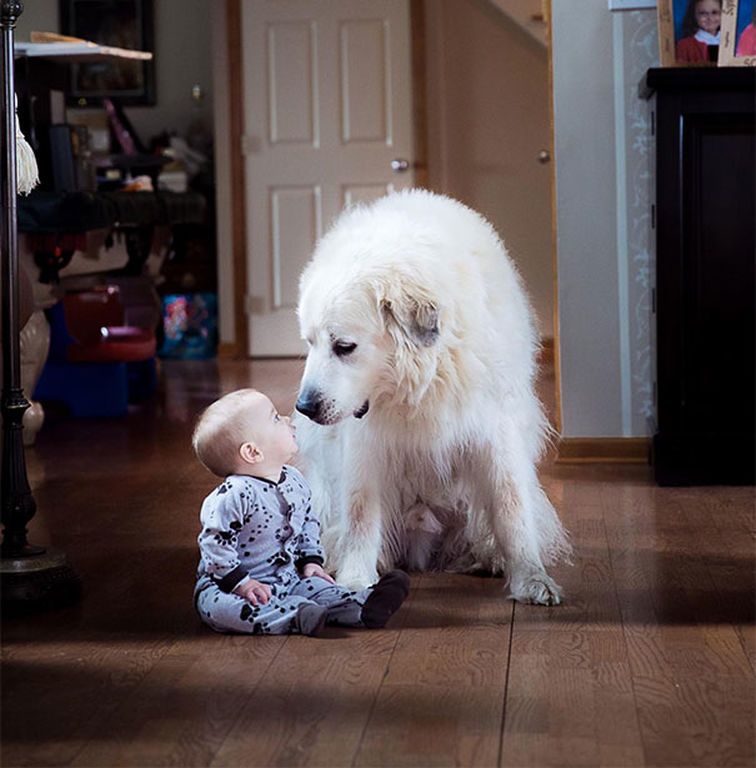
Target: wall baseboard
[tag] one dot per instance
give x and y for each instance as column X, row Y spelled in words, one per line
column 603, row 450
column 228, row 350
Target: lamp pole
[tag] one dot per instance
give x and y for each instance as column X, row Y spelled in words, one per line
column 29, row 575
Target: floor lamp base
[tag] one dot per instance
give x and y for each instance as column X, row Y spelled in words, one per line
column 37, row 583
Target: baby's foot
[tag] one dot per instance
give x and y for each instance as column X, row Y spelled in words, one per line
column 384, row 601
column 311, row 619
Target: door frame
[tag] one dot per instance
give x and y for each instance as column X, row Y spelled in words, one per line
column 238, row 349
column 553, row 353
column 233, row 10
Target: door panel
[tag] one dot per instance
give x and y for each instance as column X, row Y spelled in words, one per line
column 291, row 83
column 296, row 213
column 327, row 107
column 353, row 194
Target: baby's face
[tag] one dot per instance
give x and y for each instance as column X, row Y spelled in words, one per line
column 272, row 433
column 709, row 15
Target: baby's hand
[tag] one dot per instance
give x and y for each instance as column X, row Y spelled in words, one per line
column 254, row 591
column 313, row 569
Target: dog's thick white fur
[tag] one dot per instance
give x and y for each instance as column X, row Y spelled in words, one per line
column 413, row 311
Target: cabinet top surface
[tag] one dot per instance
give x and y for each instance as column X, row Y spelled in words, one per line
column 700, row 78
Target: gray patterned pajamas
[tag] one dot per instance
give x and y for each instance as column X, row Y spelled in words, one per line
column 256, row 529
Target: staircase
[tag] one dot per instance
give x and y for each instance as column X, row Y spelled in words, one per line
column 527, row 14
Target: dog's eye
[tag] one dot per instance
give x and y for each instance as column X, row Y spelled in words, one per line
column 343, row 348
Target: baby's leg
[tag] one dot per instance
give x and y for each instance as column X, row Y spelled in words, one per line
column 371, row 607
column 344, row 605
column 227, row 612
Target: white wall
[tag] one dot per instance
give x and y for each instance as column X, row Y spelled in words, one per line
column 604, row 246
column 183, row 54
column 488, row 118
column 38, row 15
column 183, row 45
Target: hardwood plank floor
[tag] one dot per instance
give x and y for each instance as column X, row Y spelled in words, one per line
column 442, row 698
column 570, row 699
column 649, row 662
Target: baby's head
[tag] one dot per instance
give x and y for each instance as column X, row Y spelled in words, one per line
column 243, row 433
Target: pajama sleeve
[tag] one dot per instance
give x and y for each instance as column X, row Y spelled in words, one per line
column 222, row 517
column 308, row 548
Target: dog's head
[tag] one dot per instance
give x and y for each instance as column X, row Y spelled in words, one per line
column 372, row 334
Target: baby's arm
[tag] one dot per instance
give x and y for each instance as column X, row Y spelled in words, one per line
column 309, row 549
column 309, row 555
column 222, row 518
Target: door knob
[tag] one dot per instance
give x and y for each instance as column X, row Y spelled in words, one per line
column 400, row 165
column 544, row 156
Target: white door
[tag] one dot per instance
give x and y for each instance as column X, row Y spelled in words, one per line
column 327, row 108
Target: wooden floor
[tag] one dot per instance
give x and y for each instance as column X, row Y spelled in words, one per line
column 649, row 662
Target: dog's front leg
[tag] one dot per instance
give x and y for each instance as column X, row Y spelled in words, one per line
column 360, row 544
column 512, row 510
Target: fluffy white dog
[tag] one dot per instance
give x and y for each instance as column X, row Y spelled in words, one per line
column 423, row 427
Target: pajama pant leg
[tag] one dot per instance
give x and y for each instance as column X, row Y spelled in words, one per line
column 227, row 612
column 344, row 606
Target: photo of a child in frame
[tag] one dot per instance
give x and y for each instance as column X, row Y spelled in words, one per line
column 745, row 34
column 697, row 31
column 738, row 47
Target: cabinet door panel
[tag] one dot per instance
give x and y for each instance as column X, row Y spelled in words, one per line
column 717, row 279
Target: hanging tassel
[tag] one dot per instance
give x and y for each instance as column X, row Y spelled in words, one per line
column 27, row 171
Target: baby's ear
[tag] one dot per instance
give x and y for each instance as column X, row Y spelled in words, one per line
column 250, row 453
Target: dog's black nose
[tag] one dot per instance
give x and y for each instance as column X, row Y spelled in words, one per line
column 309, row 403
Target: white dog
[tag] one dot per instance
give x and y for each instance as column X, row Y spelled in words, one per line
column 424, row 428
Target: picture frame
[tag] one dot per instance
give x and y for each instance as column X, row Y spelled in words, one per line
column 738, row 46
column 119, row 23
column 678, row 44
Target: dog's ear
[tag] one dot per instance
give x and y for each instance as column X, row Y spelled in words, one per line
column 416, row 318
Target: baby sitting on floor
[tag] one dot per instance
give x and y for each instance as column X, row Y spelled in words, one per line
column 261, row 567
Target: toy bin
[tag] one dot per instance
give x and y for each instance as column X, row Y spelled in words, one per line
column 190, row 326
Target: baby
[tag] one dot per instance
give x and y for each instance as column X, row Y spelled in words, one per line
column 261, row 567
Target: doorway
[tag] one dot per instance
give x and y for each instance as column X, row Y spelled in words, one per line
column 481, row 92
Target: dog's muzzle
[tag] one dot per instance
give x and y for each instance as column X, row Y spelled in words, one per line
column 310, row 403
column 362, row 410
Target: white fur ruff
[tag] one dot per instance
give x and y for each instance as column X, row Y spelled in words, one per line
column 411, row 305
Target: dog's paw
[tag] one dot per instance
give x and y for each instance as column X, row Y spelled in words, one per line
column 537, row 589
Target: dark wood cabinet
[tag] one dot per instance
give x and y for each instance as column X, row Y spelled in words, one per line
column 705, row 219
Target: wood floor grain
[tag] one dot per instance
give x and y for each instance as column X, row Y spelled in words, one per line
column 442, row 699
column 650, row 661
